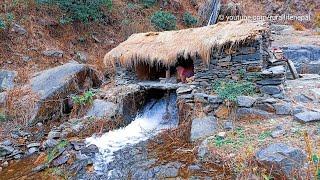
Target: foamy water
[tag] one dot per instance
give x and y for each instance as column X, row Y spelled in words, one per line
column 155, row 117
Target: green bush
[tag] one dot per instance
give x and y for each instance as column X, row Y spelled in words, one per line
column 6, row 20
column 86, row 98
column 162, row 20
column 2, row 117
column 231, row 90
column 2, row 24
column 148, row 3
column 189, row 20
column 80, row 10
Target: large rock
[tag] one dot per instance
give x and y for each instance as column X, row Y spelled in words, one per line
column 271, row 90
column 245, row 101
column 203, row 127
column 3, row 98
column 308, row 116
column 283, row 108
column 305, row 57
column 252, row 114
column 7, row 79
column 5, row 150
column 276, row 71
column 53, row 53
column 58, row 83
column 101, row 108
column 283, row 158
column 19, row 29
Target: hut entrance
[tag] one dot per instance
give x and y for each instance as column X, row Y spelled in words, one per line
column 183, row 70
column 153, row 73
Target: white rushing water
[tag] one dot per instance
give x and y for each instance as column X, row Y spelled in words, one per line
column 156, row 116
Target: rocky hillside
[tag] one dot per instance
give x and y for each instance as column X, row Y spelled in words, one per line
column 62, row 116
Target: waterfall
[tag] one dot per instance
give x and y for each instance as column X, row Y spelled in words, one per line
column 215, row 10
column 156, row 116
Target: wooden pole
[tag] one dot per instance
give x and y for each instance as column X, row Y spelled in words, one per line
column 168, row 73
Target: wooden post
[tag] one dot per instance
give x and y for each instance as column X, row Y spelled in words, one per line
column 168, row 73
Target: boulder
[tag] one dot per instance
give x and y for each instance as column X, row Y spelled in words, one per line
column 202, row 127
column 307, row 116
column 7, row 79
column 265, row 107
column 82, row 56
column 169, row 170
column 3, row 98
column 271, row 90
column 5, row 150
column 19, row 29
column 101, row 108
column 275, row 71
column 53, row 53
column 305, row 57
column 213, row 99
column 184, row 90
column 245, row 101
column 252, row 114
column 54, row 85
column 281, row 157
column 278, row 132
column 283, row 108
column 302, row 98
column 275, row 81
column 49, row 143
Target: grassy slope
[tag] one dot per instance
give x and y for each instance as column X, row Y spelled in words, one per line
column 45, row 32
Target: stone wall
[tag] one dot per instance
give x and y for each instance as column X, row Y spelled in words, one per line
column 124, row 75
column 233, row 63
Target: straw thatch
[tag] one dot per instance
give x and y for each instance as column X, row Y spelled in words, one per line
column 164, row 48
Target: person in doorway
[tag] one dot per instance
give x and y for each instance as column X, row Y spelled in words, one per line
column 184, row 72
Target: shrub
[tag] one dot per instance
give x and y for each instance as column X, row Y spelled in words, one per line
column 84, row 99
column 6, row 21
column 2, row 117
column 231, row 90
column 317, row 20
column 189, row 20
column 148, row 3
column 2, row 24
column 162, row 20
column 80, row 10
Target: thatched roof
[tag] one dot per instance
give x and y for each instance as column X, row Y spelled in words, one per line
column 165, row 47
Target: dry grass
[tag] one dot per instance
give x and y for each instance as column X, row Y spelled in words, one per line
column 20, row 103
column 156, row 48
column 317, row 19
column 298, row 26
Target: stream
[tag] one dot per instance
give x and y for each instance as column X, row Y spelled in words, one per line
column 157, row 115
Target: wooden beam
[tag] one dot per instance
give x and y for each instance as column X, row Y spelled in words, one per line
column 168, row 74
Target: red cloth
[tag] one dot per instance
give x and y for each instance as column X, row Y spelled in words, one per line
column 184, row 73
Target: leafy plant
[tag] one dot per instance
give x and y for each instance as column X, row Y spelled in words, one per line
column 241, row 73
column 2, row 24
column 148, row 3
column 56, row 150
column 6, row 21
column 189, row 20
column 237, row 140
column 264, row 135
column 80, row 10
column 86, row 98
column 162, row 20
column 231, row 90
column 2, row 117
